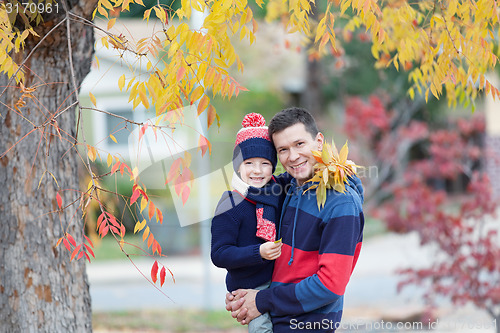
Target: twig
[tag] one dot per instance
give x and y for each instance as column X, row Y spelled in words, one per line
column 126, row 119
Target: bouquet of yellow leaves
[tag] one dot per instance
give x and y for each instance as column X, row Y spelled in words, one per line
column 331, row 171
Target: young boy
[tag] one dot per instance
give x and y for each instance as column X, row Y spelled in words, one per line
column 243, row 229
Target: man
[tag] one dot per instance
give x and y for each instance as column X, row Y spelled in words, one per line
column 320, row 247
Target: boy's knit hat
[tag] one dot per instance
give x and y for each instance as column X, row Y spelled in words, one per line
column 253, row 141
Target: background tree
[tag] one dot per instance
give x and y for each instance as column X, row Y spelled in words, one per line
column 424, row 169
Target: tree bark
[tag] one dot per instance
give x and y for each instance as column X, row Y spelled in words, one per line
column 41, row 290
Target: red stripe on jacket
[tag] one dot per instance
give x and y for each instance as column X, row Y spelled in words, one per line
column 305, row 264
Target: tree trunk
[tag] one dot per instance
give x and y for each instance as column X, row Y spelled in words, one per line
column 41, row 290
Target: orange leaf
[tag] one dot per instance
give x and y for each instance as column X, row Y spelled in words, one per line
column 145, row 234
column 203, row 144
column 154, row 271
column 59, row 241
column 59, row 200
column 150, row 240
column 151, row 210
column 211, row 115
column 159, row 216
column 205, row 100
column 115, row 167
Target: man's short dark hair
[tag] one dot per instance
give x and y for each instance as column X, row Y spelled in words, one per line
column 291, row 116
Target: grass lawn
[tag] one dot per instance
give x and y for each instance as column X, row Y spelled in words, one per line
column 166, row 321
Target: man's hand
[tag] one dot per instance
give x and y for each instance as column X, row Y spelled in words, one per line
column 270, row 250
column 235, row 300
column 248, row 311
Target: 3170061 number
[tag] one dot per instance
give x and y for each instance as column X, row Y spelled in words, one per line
column 31, row 7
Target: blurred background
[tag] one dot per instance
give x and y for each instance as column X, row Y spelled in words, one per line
column 430, row 259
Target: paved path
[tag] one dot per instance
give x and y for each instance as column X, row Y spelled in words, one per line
column 371, row 295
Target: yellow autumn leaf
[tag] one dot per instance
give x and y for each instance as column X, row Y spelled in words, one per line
column 121, row 82
column 91, row 153
column 111, row 23
column 92, row 99
column 144, row 203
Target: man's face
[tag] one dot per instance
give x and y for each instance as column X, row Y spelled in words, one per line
column 294, row 145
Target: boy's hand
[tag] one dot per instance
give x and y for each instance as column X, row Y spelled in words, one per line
column 270, row 250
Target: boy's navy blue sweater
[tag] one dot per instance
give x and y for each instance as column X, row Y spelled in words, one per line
column 235, row 245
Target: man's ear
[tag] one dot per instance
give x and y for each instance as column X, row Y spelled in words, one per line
column 319, row 140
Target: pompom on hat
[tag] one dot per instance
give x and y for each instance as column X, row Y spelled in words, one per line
column 253, row 141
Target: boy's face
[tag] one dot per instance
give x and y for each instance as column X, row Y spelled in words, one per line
column 256, row 171
column 294, row 146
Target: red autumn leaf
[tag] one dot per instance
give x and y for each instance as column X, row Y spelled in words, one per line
column 104, row 231
column 113, row 221
column 173, row 173
column 134, row 197
column 59, row 200
column 144, row 194
column 87, row 256
column 80, row 255
column 122, row 168
column 66, row 244
column 99, row 220
column 89, row 250
column 103, row 225
column 179, row 185
column 75, row 251
column 88, row 240
column 154, row 271
column 163, row 272
column 114, row 229
column 71, row 239
column 185, row 194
